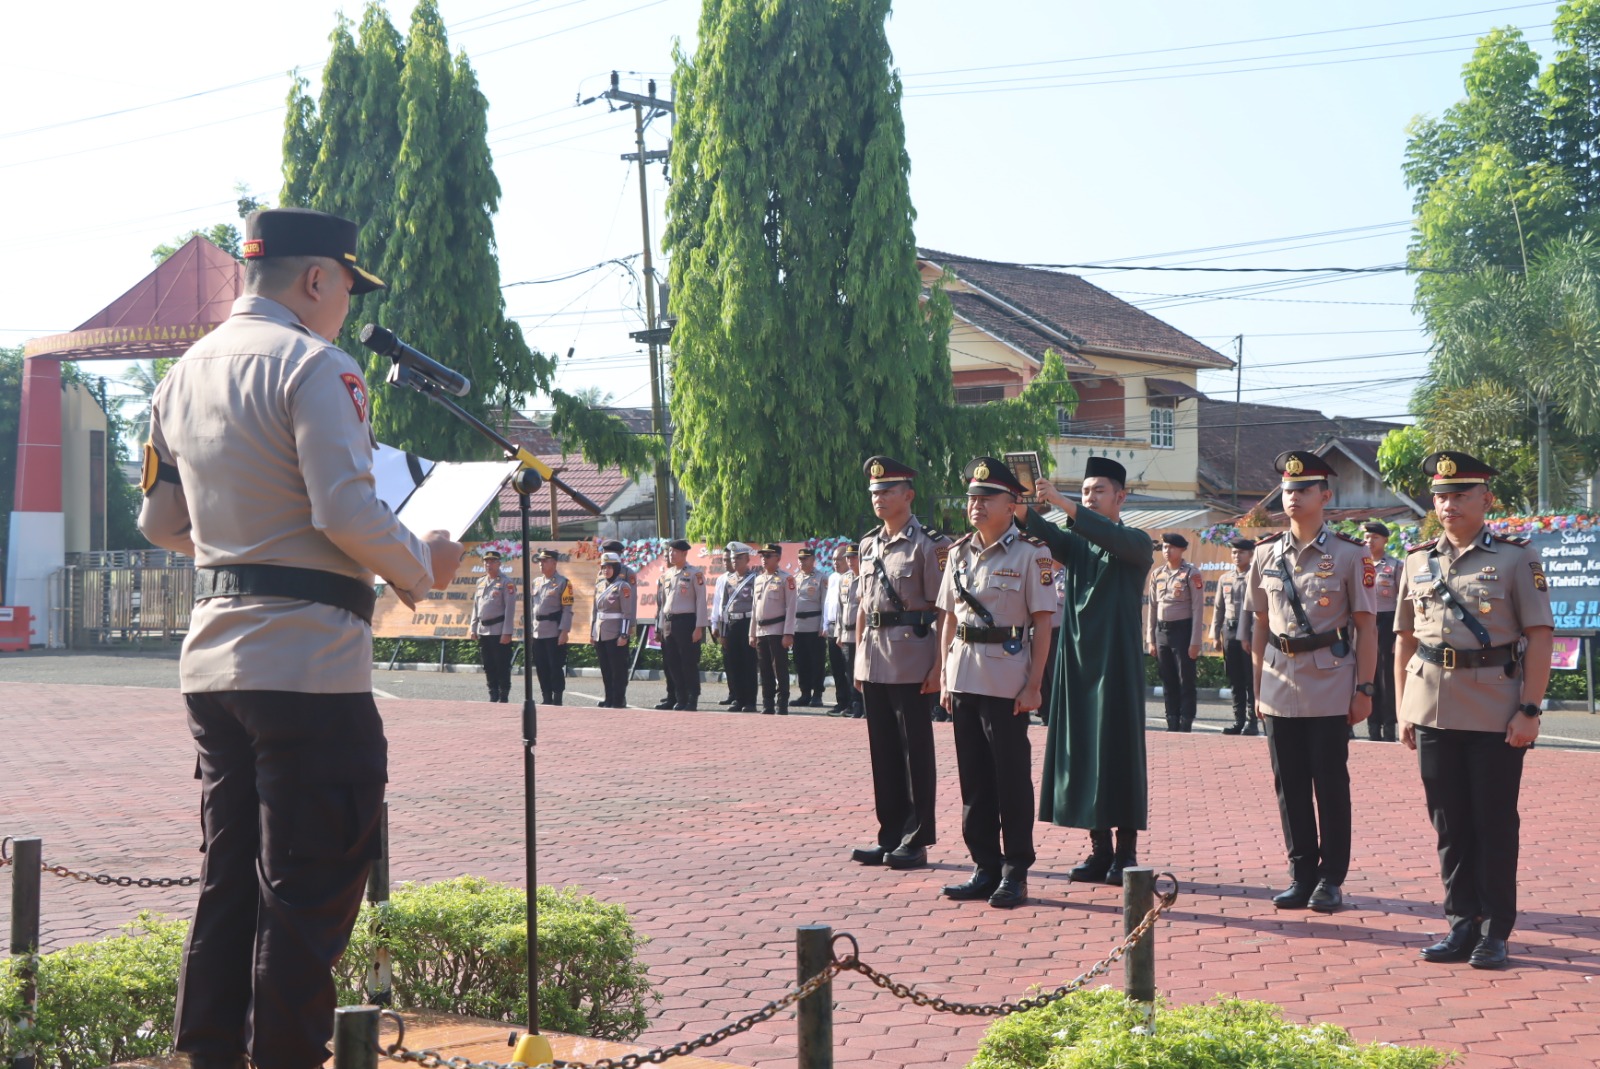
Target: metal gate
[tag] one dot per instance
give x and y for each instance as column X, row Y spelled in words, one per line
column 125, row 596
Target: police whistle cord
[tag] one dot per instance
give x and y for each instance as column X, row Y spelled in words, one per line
column 850, row 962
column 101, row 878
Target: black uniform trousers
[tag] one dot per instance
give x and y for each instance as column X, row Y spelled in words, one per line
column 739, row 661
column 1472, row 780
column 1177, row 672
column 613, row 670
column 1241, row 675
column 680, row 659
column 900, row 740
column 995, row 767
column 291, row 790
column 773, row 661
column 550, row 662
column 810, row 663
column 1049, row 680
column 842, row 656
column 1381, row 724
column 1310, row 761
column 496, row 665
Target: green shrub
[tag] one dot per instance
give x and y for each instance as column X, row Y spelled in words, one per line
column 103, row 1002
column 460, row 946
column 1104, row 1030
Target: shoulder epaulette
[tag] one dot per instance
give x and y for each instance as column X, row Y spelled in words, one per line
column 934, row 533
column 1429, row 544
column 1273, row 537
column 872, row 533
column 1352, row 539
column 963, row 540
column 1034, row 541
column 1512, row 540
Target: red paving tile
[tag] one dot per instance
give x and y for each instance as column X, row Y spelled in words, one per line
column 722, row 833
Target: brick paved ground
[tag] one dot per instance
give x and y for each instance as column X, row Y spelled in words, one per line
column 722, row 833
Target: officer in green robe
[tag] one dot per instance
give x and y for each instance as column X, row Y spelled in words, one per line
column 1094, row 760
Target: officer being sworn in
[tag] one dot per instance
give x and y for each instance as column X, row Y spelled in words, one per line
column 259, row 465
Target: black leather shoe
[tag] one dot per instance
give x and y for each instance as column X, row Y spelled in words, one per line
column 1252, row 728
column 1327, row 898
column 727, row 701
column 868, row 855
column 1298, row 896
column 670, row 703
column 1491, row 954
column 907, row 857
column 685, row 707
column 1011, row 893
column 1458, row 945
column 766, row 712
column 982, row 885
column 1236, row 729
column 783, row 710
column 742, row 709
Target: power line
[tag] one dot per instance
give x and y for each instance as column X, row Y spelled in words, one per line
column 1385, row 269
column 618, row 261
column 569, row 29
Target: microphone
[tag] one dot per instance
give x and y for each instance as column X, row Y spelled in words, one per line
column 384, row 343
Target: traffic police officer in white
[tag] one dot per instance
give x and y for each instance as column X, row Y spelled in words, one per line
column 997, row 599
column 615, row 609
column 493, row 622
column 259, row 466
column 1472, row 659
column 551, row 594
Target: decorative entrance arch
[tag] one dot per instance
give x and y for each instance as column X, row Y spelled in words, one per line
column 180, row 302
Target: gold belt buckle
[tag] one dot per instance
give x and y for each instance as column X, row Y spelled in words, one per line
column 1283, row 646
column 1449, row 657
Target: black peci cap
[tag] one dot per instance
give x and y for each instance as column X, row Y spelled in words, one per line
column 987, row 476
column 1173, row 538
column 274, row 232
column 1105, row 468
column 884, row 472
column 1301, row 467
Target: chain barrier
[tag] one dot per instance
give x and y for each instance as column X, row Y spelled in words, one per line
column 101, row 878
column 433, row 1059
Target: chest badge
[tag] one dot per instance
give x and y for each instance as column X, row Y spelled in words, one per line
column 1324, row 602
column 1485, row 608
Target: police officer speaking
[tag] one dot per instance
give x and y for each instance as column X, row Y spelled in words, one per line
column 1472, row 660
column 259, row 465
column 997, row 599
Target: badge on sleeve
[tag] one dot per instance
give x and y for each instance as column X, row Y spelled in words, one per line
column 1046, row 571
column 566, row 594
column 358, row 394
column 1197, row 580
column 1539, row 581
column 791, row 582
column 1369, row 573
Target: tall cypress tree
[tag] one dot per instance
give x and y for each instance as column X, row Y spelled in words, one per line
column 803, row 344
column 398, row 141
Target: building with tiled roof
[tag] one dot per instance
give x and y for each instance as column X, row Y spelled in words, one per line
column 1135, row 374
column 627, row 505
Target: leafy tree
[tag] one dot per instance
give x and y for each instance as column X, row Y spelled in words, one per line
column 802, row 344
column 1494, row 422
column 398, row 141
column 1400, row 457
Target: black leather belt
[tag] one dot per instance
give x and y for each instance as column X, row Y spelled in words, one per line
column 548, row 617
column 973, row 633
column 735, row 617
column 1303, row 643
column 1450, row 657
column 1168, row 625
column 280, row 581
column 769, row 623
column 807, row 615
column 909, row 618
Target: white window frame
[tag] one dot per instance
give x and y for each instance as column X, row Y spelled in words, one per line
column 1163, row 427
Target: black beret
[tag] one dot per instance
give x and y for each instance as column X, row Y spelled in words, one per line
column 679, row 543
column 1376, row 528
column 1173, row 538
column 1241, row 543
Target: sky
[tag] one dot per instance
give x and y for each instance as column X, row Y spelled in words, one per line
column 1231, row 134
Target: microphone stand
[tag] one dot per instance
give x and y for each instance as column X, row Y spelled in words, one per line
column 532, row 1049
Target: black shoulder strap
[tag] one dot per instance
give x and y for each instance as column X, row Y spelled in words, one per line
column 1459, row 610
column 1294, row 595
column 883, row 578
column 966, row 595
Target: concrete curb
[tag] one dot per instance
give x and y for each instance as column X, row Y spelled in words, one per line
column 572, row 673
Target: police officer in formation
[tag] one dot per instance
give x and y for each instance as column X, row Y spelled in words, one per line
column 681, row 622
column 551, row 596
column 615, row 609
column 810, row 652
column 998, row 595
column 259, row 466
column 714, row 614
column 1315, row 650
column 897, row 665
column 1472, row 662
column 493, row 622
column 1385, row 588
column 1232, row 627
column 844, row 598
column 772, row 628
column 1176, row 599
column 738, row 654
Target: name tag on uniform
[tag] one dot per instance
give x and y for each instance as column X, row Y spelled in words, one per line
column 1422, row 578
column 1006, row 573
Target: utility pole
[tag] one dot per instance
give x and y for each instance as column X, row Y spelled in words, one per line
column 1238, row 416
column 645, row 108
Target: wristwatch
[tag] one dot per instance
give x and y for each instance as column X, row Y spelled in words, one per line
column 1530, row 710
column 1366, row 688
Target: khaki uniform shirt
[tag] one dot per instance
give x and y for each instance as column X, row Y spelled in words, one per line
column 615, row 610
column 680, row 591
column 552, row 597
column 1386, row 583
column 494, row 607
column 1174, row 594
column 1231, row 614
column 1332, row 576
column 774, row 599
column 1501, row 582
column 847, row 593
column 809, row 593
column 1013, row 578
column 267, row 424
column 913, row 562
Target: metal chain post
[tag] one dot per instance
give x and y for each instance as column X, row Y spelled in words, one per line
column 1139, row 967
column 25, row 930
column 355, row 1037
column 814, row 1024
column 379, row 982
